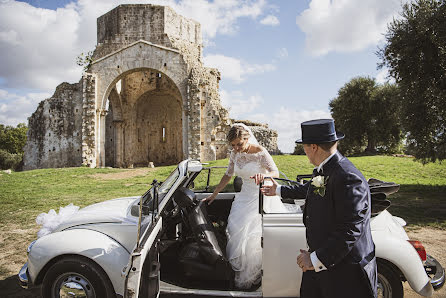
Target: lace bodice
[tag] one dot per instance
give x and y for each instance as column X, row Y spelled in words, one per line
column 239, row 160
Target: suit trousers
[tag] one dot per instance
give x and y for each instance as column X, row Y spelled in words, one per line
column 340, row 281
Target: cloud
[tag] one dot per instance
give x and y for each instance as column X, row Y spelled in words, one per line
column 270, row 20
column 287, row 122
column 239, row 105
column 14, row 108
column 345, row 25
column 235, row 69
column 282, row 53
column 38, row 46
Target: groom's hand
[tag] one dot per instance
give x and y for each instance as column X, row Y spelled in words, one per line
column 270, row 190
column 304, row 261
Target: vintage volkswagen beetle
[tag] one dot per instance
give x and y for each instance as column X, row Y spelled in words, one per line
column 180, row 246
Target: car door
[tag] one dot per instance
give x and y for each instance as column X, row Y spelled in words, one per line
column 142, row 274
column 143, row 278
column 283, row 237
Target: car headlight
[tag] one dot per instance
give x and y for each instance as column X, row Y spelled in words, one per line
column 30, row 246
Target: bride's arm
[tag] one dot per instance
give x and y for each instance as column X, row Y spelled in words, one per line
column 224, row 180
column 268, row 164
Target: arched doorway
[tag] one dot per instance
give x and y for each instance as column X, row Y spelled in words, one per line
column 144, row 121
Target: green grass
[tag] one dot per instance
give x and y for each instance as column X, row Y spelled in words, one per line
column 421, row 200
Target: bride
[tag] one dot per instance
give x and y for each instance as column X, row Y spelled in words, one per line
column 252, row 163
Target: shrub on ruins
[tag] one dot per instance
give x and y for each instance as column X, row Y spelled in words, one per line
column 415, row 55
column 368, row 114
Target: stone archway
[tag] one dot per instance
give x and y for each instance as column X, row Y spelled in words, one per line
column 144, row 120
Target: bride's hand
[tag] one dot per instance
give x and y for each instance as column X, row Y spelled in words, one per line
column 258, row 178
column 210, row 199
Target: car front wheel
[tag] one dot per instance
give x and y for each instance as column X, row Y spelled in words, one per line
column 389, row 283
column 76, row 277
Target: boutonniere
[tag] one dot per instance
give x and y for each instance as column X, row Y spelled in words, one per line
column 319, row 183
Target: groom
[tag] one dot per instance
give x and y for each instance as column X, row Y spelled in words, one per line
column 340, row 261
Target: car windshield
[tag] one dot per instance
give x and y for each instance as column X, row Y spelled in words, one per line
column 163, row 189
column 168, row 183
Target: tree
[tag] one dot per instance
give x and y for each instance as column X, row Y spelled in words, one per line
column 415, row 54
column 368, row 114
column 13, row 139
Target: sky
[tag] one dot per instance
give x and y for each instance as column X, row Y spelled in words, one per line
column 281, row 61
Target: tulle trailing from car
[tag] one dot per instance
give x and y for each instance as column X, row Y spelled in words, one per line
column 50, row 221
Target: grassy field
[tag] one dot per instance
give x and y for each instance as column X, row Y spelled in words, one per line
column 23, row 195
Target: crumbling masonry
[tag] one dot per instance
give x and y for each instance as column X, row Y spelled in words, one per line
column 146, row 98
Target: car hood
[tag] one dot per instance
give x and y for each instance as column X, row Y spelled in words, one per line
column 112, row 211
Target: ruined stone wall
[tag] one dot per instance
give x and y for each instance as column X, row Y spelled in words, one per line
column 88, row 120
column 54, row 137
column 166, row 108
column 159, row 25
column 266, row 137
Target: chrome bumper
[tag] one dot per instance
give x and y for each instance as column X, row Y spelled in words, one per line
column 23, row 276
column 435, row 271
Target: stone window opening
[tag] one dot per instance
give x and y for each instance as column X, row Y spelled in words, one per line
column 163, row 138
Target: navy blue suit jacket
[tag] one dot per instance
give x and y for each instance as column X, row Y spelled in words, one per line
column 338, row 224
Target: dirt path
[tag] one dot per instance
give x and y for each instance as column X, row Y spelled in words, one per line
column 14, row 240
column 123, row 174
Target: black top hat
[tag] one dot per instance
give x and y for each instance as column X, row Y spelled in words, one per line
column 319, row 131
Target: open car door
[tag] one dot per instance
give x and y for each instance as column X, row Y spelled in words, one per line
column 143, row 269
column 283, row 237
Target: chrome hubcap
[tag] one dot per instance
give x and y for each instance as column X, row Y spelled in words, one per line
column 70, row 285
column 384, row 287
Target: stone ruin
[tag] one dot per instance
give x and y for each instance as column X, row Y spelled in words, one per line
column 146, row 97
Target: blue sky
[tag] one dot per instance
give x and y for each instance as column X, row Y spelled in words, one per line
column 281, row 61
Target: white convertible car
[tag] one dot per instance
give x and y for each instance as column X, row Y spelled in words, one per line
column 168, row 241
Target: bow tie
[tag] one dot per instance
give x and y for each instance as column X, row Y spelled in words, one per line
column 315, row 172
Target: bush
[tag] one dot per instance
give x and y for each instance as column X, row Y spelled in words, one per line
column 10, row 160
column 299, row 150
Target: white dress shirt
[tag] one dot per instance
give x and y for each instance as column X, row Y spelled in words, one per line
column 317, row 264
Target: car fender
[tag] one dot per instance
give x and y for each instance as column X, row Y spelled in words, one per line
column 403, row 255
column 96, row 246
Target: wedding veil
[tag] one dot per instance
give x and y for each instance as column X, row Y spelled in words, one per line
column 252, row 139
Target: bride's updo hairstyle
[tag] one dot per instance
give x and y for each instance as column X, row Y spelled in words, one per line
column 237, row 132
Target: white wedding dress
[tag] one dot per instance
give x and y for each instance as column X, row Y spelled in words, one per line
column 244, row 229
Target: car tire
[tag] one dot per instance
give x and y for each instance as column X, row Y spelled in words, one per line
column 389, row 283
column 76, row 275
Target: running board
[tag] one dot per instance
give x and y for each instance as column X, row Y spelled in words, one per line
column 167, row 288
